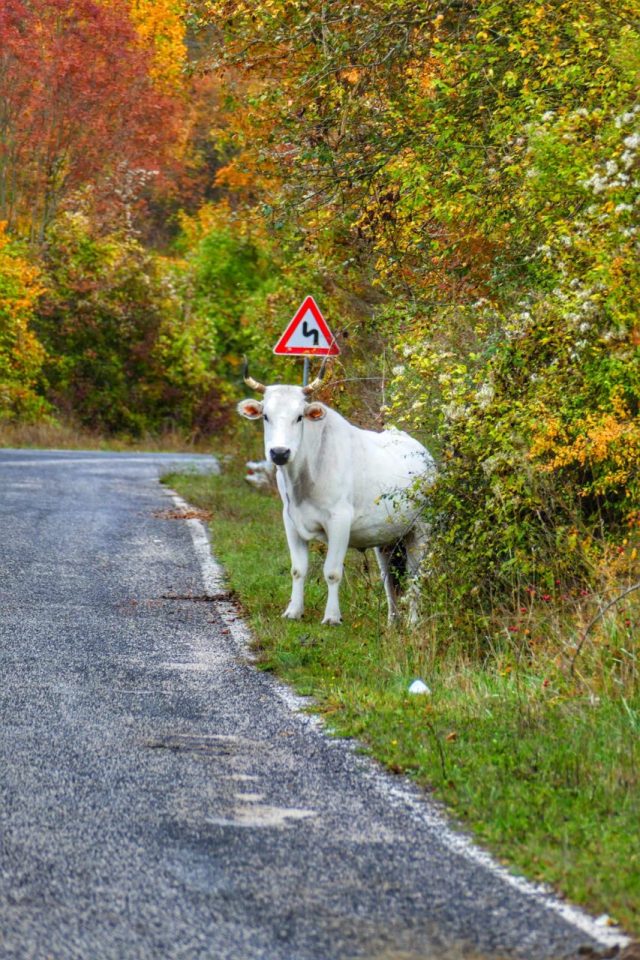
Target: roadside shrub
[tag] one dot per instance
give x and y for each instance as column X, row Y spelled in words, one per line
column 21, row 353
column 534, row 389
column 123, row 354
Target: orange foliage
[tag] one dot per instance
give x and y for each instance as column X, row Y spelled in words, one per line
column 21, row 354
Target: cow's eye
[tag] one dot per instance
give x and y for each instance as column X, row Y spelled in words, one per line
column 265, row 417
column 299, row 418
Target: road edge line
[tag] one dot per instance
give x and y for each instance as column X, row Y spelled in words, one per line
column 460, row 844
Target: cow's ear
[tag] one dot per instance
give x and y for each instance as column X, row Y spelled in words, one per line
column 315, row 411
column 251, row 409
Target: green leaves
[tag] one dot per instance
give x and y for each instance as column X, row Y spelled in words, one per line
column 122, row 355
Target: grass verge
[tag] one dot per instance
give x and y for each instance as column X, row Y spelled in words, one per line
column 545, row 770
column 56, row 435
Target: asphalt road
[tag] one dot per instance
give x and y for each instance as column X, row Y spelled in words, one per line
column 161, row 798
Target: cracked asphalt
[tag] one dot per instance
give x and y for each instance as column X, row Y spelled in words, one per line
column 160, row 797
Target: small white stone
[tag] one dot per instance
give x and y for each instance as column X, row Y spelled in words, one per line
column 419, row 686
column 604, row 920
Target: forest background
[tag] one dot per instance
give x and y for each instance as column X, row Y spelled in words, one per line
column 458, row 185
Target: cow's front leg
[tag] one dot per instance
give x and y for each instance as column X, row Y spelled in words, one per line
column 299, row 550
column 338, row 531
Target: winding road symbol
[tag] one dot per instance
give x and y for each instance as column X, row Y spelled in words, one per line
column 310, row 332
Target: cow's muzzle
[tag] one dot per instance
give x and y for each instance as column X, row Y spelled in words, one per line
column 280, row 455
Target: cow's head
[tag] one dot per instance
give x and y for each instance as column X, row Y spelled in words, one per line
column 285, row 410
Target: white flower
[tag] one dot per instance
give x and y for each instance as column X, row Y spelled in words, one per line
column 596, row 182
column 626, row 117
column 454, row 411
column 398, row 370
column 485, row 395
column 549, row 115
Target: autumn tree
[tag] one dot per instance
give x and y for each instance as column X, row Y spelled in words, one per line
column 161, row 25
column 123, row 355
column 78, row 108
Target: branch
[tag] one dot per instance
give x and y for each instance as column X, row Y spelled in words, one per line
column 600, row 614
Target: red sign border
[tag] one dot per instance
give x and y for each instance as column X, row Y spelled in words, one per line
column 281, row 348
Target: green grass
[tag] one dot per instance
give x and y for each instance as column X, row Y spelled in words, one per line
column 544, row 771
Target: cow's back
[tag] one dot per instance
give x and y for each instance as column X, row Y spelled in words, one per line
column 386, row 493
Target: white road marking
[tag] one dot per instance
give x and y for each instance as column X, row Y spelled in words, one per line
column 458, row 843
column 261, row 816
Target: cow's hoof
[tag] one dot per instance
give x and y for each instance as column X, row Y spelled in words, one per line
column 292, row 614
column 331, row 622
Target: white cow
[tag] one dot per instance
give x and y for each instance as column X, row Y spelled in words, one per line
column 342, row 485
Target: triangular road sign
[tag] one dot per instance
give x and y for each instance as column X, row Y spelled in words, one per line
column 307, row 334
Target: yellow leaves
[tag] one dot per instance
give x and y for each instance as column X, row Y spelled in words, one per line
column 607, row 443
column 351, row 76
column 161, row 27
column 21, row 353
column 233, row 178
column 4, row 239
column 21, row 280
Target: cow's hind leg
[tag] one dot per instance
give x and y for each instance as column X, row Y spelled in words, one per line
column 383, row 556
column 299, row 550
column 416, row 545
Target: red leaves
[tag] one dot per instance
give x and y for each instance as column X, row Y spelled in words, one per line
column 78, row 106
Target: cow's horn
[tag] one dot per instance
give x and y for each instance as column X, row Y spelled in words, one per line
column 317, row 383
column 250, row 382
